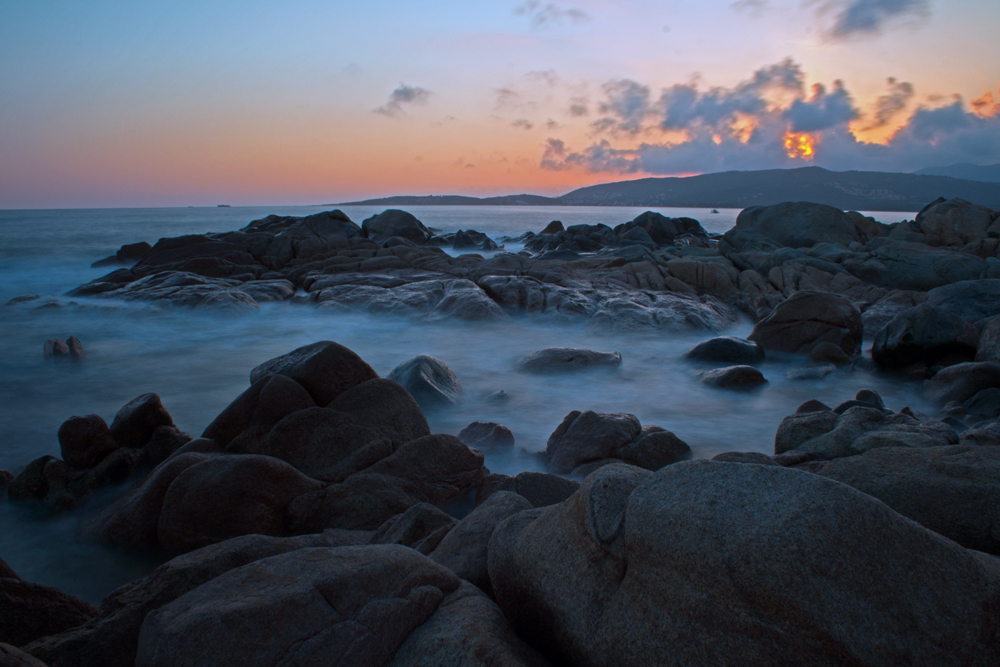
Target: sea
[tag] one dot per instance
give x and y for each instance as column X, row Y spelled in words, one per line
column 198, row 362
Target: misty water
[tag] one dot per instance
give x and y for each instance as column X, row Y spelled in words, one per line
column 198, row 362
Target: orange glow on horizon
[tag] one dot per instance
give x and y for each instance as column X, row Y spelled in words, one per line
column 801, row 145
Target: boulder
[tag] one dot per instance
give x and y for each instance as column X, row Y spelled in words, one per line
column 830, row 353
column 247, row 420
column 464, row 549
column 734, row 377
column 988, row 345
column 654, row 448
column 755, row 458
column 706, row 560
column 727, row 350
column 879, row 313
column 385, row 407
column 588, row 436
column 799, row 224
column 85, row 441
column 75, row 348
column 413, row 527
column 972, row 300
column 985, row 403
column 55, row 347
column 566, row 359
column 924, row 334
column 394, row 222
column 428, row 379
column 325, row 369
column 539, row 488
column 955, row 222
column 806, row 319
column 11, row 656
column 951, row 490
column 29, row 611
column 348, row 606
column 229, row 496
column 962, row 381
column 135, row 423
column 436, row 468
column 486, row 435
column 660, row 229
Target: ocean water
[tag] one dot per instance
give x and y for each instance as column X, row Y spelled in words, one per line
column 199, row 362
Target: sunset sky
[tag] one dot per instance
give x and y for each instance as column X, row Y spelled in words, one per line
column 113, row 103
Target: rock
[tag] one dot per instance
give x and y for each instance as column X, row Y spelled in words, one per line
column 352, row 606
column 325, row 369
column 463, row 549
column 436, row 468
column 248, row 419
column 414, row 526
column 486, row 435
column 362, row 501
column 878, row 314
column 394, row 222
column 75, row 348
column 955, row 222
column 428, row 379
column 985, row 403
column 111, row 639
column 660, row 229
column 962, row 381
column 588, row 436
column 727, row 350
column 566, row 359
column 11, row 656
column 755, row 458
column 85, row 441
column 810, row 372
column 539, row 488
column 654, row 448
column 951, row 490
column 55, row 347
column 988, row 345
column 385, row 407
column 553, row 227
column 29, row 611
column 972, row 300
column 6, row 571
column 812, row 405
column 135, row 423
column 798, row 224
column 229, row 496
column 925, row 334
column 806, row 319
column 734, row 377
column 638, row 568
column 829, row 353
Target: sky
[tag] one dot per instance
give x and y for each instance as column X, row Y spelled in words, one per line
column 109, row 103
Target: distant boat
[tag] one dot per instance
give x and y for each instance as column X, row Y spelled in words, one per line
column 227, row 206
column 715, row 210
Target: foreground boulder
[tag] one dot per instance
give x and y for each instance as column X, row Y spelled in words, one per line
column 565, row 359
column 326, row 369
column 428, row 379
column 362, row 606
column 806, row 319
column 706, row 560
column 29, row 611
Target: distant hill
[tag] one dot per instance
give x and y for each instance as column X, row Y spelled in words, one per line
column 989, row 173
column 848, row 190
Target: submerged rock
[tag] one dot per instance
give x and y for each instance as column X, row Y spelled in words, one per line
column 566, row 359
column 734, row 377
column 428, row 379
column 726, row 349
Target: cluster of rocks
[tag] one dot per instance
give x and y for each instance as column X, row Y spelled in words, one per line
column 321, row 521
column 57, row 347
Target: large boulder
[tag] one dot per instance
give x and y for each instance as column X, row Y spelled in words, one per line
column 924, row 334
column 421, row 527
column 799, row 224
column 428, row 379
column 346, row 606
column 972, row 300
column 539, row 488
column 394, row 222
column 954, row 490
column 436, row 468
column 705, row 562
column 229, row 496
column 85, row 441
column 962, row 381
column 807, row 318
column 566, row 359
column 385, row 407
column 956, row 222
column 727, row 350
column 660, row 229
column 29, row 611
column 248, row 419
column 326, row 369
column 135, row 423
column 588, row 436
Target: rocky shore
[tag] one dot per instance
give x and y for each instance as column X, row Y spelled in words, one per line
column 318, row 519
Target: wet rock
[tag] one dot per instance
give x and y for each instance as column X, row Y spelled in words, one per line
column 325, row 369
column 924, row 334
column 951, row 490
column 806, row 319
column 588, row 436
column 29, row 611
column 463, row 550
column 486, row 435
column 413, row 527
column 962, row 381
column 385, row 407
column 566, row 359
column 540, row 488
column 85, row 441
column 353, row 605
column 394, row 222
column 247, row 420
column 727, row 350
column 734, row 377
column 229, row 496
column 55, row 347
column 75, row 348
column 135, row 423
column 428, row 379
column 580, row 580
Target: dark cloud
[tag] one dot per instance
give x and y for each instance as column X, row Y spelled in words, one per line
column 627, row 107
column 889, row 106
column 823, row 110
column 578, row 106
column 868, row 17
column 522, row 123
column 549, row 14
column 403, row 95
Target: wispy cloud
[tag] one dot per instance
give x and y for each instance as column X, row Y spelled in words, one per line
column 523, row 124
column 549, row 14
column 891, row 105
column 753, row 8
column 854, row 18
column 403, row 95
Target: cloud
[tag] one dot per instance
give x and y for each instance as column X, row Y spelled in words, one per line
column 522, row 123
column 548, row 77
column 889, row 106
column 869, row 17
column 985, row 105
column 549, row 14
column 578, row 106
column 753, row 8
column 403, row 95
column 627, row 107
column 823, row 110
